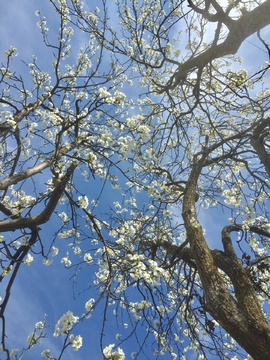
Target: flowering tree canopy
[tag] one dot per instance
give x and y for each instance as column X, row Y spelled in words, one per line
column 124, row 146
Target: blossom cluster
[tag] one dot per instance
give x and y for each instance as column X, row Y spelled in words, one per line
column 113, row 355
column 65, row 324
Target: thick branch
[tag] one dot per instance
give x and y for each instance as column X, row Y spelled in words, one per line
column 19, row 115
column 7, row 212
column 42, row 218
column 5, row 183
column 243, row 288
column 248, row 24
column 257, row 142
column 247, row 326
column 219, row 16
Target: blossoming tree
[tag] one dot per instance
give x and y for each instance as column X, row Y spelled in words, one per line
column 192, row 137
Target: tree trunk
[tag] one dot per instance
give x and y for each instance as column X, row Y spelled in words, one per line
column 242, row 317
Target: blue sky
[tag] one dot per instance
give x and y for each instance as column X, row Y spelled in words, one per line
column 38, row 289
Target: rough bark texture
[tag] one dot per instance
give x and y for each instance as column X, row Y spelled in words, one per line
column 257, row 142
column 242, row 317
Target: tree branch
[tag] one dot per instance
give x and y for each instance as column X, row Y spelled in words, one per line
column 46, row 213
column 239, row 30
column 257, row 142
column 19, row 115
column 5, row 183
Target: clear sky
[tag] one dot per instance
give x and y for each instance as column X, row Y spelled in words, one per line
column 38, row 289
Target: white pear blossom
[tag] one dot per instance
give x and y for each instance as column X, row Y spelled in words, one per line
column 54, row 251
column 65, row 260
column 47, row 262
column 65, row 324
column 7, row 270
column 28, row 259
column 46, row 354
column 32, row 339
column 88, row 258
column 117, row 355
column 83, row 202
column 76, row 342
column 89, row 304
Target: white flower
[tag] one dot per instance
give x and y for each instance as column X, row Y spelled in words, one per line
column 11, row 122
column 76, row 342
column 116, row 355
column 54, row 251
column 28, row 259
column 245, row 227
column 14, row 353
column 77, row 250
column 66, row 261
column 7, row 270
column 107, row 351
column 66, row 321
column 83, row 202
column 31, row 340
column 46, row 353
column 39, row 325
column 89, row 304
column 47, row 262
column 88, row 258
column 11, row 52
